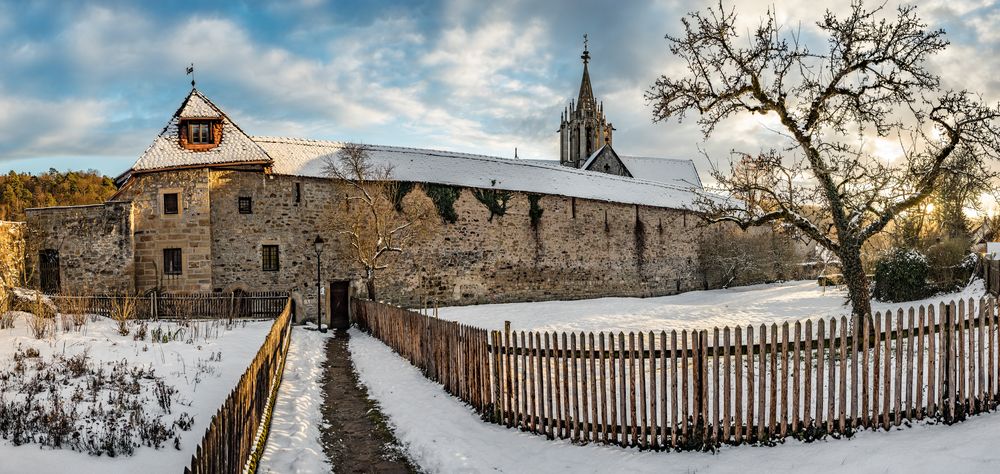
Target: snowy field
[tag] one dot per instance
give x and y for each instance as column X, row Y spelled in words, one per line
column 293, row 445
column 189, row 368
column 755, row 304
column 443, row 435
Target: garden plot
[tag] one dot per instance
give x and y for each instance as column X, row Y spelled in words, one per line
column 100, row 401
column 755, row 304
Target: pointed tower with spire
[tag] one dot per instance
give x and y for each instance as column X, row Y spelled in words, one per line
column 584, row 129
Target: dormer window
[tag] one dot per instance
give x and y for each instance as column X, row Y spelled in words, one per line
column 200, row 134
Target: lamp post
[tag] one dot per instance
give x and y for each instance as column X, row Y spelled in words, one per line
column 318, row 245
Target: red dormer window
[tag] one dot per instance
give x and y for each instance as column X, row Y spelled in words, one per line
column 200, row 135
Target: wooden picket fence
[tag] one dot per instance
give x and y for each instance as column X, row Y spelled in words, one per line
column 246, row 305
column 699, row 389
column 235, row 438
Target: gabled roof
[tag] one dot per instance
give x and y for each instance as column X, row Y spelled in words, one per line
column 236, row 146
column 606, row 150
column 675, row 171
column 301, row 157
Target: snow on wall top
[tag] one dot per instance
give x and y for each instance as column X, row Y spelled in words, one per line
column 301, row 157
column 166, row 151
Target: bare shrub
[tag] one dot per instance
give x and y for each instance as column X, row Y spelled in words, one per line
column 41, row 322
column 183, row 307
column 123, row 309
column 74, row 307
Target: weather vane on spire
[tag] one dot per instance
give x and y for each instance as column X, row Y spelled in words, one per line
column 586, row 51
column 190, row 72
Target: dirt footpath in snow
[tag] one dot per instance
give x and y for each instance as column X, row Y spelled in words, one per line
column 755, row 304
column 355, row 434
column 444, row 435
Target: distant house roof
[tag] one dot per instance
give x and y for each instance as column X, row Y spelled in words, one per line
column 303, row 157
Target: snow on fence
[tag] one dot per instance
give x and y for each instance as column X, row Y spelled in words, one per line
column 245, row 305
column 698, row 389
column 235, row 439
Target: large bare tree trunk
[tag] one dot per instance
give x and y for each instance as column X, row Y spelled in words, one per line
column 856, row 280
column 370, row 284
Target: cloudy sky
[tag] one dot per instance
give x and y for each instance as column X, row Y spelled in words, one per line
column 89, row 84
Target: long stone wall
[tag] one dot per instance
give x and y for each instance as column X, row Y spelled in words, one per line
column 579, row 248
column 94, row 244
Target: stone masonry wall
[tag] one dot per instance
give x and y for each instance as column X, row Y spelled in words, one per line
column 94, row 243
column 189, row 230
column 580, row 249
column 11, row 253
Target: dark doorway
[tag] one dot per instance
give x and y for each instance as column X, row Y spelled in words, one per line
column 48, row 270
column 339, row 304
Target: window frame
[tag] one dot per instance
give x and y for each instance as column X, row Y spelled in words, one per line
column 170, row 267
column 248, row 208
column 176, row 207
column 199, row 132
column 270, row 257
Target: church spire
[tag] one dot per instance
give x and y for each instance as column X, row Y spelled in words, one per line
column 583, row 128
column 586, row 99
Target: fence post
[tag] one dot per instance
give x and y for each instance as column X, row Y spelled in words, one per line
column 946, row 376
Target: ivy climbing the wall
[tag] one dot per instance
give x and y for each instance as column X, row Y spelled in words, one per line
column 401, row 189
column 444, row 198
column 535, row 210
column 494, row 199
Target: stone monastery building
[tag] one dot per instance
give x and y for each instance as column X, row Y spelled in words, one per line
column 209, row 208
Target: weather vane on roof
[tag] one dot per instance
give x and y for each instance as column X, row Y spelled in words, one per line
column 585, row 40
column 586, row 53
column 190, row 72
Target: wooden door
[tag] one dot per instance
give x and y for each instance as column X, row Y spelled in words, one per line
column 339, row 301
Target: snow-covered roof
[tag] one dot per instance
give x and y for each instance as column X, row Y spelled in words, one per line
column 301, row 157
column 677, row 171
column 165, row 152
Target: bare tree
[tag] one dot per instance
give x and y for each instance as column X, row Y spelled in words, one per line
column 870, row 80
column 372, row 218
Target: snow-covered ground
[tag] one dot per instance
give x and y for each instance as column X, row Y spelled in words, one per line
column 444, row 435
column 202, row 362
column 293, row 446
column 756, row 304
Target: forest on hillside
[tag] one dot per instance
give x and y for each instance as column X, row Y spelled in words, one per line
column 20, row 191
